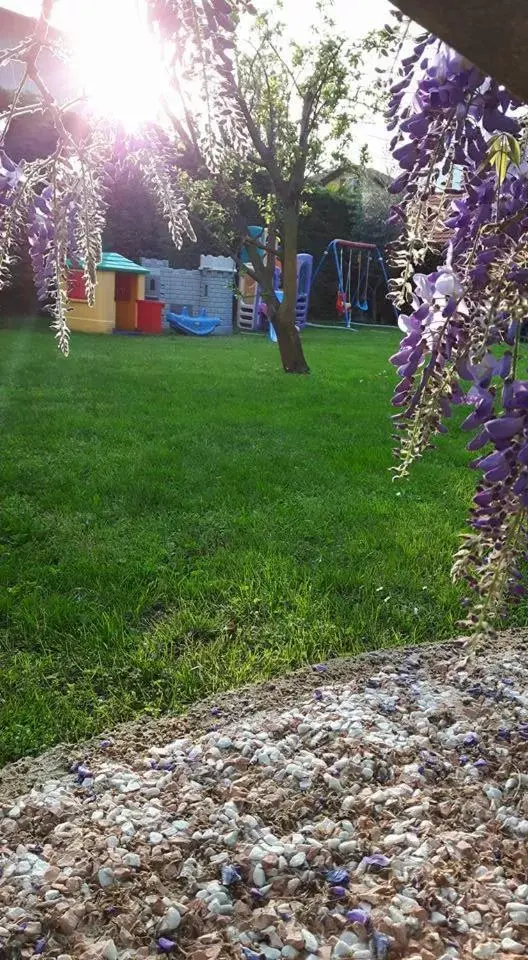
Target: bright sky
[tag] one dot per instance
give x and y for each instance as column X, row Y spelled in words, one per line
column 354, row 18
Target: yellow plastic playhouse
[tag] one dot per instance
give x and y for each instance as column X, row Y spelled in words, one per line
column 119, row 299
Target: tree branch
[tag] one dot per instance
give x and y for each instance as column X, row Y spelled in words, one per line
column 265, row 154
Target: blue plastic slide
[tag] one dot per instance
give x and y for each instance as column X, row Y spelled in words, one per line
column 272, row 333
column 201, row 326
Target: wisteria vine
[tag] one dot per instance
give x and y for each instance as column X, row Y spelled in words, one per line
column 58, row 203
column 462, row 198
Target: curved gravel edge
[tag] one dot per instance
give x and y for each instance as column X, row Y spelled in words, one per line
column 135, row 736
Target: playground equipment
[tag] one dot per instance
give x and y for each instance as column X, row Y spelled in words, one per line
column 209, row 288
column 353, row 262
column 201, row 326
column 120, row 304
column 249, row 295
column 250, row 305
column 364, row 254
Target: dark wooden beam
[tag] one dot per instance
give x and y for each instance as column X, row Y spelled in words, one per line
column 492, row 34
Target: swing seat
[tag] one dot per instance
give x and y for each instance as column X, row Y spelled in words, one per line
column 341, row 304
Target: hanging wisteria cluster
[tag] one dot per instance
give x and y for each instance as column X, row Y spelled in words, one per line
column 462, row 198
column 58, row 203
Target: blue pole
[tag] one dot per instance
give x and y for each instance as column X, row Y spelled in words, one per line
column 319, row 266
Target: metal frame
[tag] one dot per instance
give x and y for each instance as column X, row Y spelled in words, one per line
column 354, row 245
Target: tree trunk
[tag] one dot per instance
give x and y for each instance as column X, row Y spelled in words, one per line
column 290, row 345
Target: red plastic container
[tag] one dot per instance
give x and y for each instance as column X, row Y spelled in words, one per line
column 149, row 315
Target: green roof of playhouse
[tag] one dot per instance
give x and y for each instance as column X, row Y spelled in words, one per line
column 118, row 264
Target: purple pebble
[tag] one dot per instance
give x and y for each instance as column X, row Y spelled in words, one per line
column 318, row 694
column 320, row 667
column 463, row 760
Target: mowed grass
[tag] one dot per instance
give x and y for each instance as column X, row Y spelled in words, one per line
column 179, row 517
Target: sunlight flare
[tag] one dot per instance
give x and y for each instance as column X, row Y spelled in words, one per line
column 118, row 61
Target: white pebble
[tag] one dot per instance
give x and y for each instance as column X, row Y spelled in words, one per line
column 298, row 860
column 474, row 918
column 52, row 895
column 155, row 838
column 311, row 943
column 171, row 921
column 110, row 951
column 224, row 743
column 438, row 919
column 105, row 876
column 132, row 860
column 485, row 950
column 511, row 946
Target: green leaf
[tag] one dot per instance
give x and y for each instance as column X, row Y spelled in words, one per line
column 515, row 150
column 496, row 144
column 501, row 162
column 503, row 150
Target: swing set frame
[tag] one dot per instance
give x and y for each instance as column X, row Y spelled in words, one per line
column 335, row 248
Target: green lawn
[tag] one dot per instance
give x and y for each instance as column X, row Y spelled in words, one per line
column 179, row 517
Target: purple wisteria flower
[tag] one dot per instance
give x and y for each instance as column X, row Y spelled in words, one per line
column 230, row 874
column 358, row 916
column 380, row 945
column 471, row 739
column 338, row 892
column 165, row 945
column 340, row 877
column 376, row 860
column 464, row 186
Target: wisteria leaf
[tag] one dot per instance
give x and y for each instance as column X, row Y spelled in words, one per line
column 515, row 150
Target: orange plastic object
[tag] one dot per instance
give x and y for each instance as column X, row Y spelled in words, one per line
column 149, row 316
column 341, row 303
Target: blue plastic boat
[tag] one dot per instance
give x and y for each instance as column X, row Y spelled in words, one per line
column 201, row 326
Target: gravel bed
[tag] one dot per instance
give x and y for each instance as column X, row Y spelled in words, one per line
column 376, row 810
